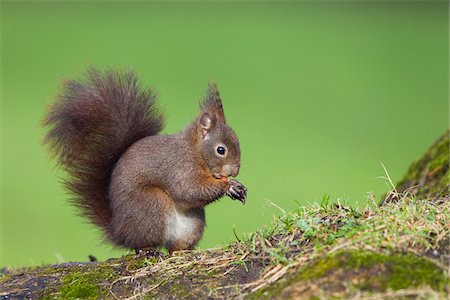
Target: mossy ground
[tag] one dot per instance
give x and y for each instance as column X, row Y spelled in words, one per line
column 327, row 250
column 400, row 249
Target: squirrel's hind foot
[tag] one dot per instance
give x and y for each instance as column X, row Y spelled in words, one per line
column 148, row 253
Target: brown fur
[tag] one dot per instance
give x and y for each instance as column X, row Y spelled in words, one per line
column 91, row 124
column 145, row 190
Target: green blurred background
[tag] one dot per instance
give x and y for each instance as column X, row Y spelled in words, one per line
column 319, row 93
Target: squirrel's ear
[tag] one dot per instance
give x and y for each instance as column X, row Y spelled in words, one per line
column 205, row 123
column 213, row 103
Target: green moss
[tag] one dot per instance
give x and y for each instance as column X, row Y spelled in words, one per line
column 365, row 271
column 81, row 290
column 135, row 264
column 87, row 285
column 380, row 271
column 430, row 174
column 181, row 289
column 4, row 277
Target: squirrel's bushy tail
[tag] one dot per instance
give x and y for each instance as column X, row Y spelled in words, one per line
column 91, row 125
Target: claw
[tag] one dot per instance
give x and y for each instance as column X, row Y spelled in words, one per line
column 237, row 191
column 242, row 199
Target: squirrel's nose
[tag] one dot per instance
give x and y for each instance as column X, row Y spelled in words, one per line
column 235, row 171
column 228, row 170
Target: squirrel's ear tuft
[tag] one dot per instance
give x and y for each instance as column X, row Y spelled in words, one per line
column 212, row 102
column 206, row 122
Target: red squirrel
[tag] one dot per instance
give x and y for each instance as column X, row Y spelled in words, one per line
column 143, row 189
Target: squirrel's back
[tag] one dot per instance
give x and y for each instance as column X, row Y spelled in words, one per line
column 92, row 123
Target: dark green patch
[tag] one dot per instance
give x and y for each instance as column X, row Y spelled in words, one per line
column 429, row 176
column 396, row 271
column 364, row 270
column 136, row 264
column 347, row 229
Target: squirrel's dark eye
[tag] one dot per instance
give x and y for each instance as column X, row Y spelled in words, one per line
column 220, row 150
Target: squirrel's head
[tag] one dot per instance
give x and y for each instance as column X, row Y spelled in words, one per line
column 218, row 142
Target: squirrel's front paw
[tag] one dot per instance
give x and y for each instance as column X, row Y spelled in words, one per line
column 237, row 191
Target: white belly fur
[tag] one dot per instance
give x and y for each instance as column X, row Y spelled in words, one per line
column 180, row 228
